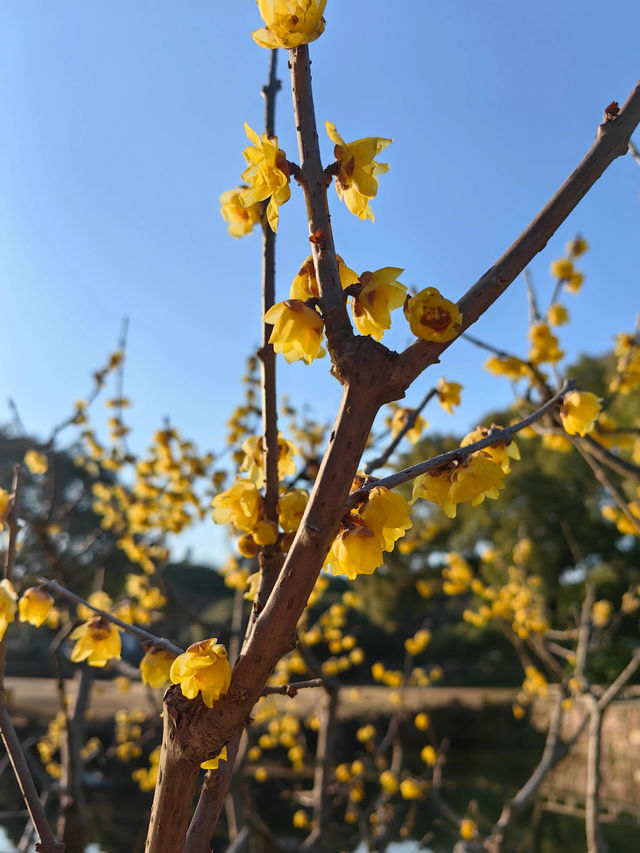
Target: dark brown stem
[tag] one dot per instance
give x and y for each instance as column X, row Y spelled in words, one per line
column 314, row 184
column 211, row 801
column 48, row 842
column 381, row 460
column 595, row 843
column 160, row 642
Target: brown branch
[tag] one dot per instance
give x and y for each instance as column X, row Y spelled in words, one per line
column 612, row 141
column 495, row 436
column 160, row 642
column 606, row 457
column 381, row 460
column 595, row 843
column 604, row 481
column 314, row 183
column 292, row 689
column 270, row 558
column 211, row 801
column 554, row 749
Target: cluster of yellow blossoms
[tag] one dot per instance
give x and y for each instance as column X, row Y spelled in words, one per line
column 476, row 477
column 627, row 376
column 367, row 531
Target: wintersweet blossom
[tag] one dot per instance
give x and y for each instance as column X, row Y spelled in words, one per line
column 429, row 755
column 557, row 315
column 34, row 606
column 544, row 344
column 289, row 23
column 579, row 412
column 291, row 507
column 500, row 453
column 239, row 505
column 305, row 285
column 506, row 365
column 448, row 394
column 468, row 829
column 97, row 641
column 36, row 462
column 357, row 180
column 410, row 789
column 212, row 763
column 357, row 551
column 388, row 782
column 8, row 605
column 203, row 668
column 432, row 317
column 253, row 461
column 474, row 479
column 297, row 330
column 267, row 175
column 386, row 513
column 401, row 418
column 241, row 218
column 381, row 293
column 155, row 666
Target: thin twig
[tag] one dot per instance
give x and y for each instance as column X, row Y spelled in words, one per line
column 292, row 689
column 410, row 422
column 160, row 642
column 495, row 436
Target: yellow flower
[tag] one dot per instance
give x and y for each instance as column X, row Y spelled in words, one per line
column 291, row 507
column 431, row 317
column 301, row 819
column 449, row 394
column 576, row 247
column 499, row 453
column 203, row 668
column 579, row 412
column 386, row 513
column 518, row 711
column 410, row 789
column 429, row 755
column 239, row 505
column 544, row 344
column 253, row 462
column 34, row 606
column 266, row 175
column 212, row 763
column 155, row 666
column 601, row 612
column 366, row 733
column 297, row 330
column 4, row 507
column 388, row 782
column 506, row 365
column 357, row 180
column 574, row 282
column 468, row 829
column 305, row 284
column 562, row 268
column 421, row 721
column 557, row 442
column 399, row 420
column 241, row 219
column 97, row 641
column 354, row 552
column 8, row 605
column 381, row 293
column 36, row 462
column 289, row 23
column 557, row 315
column 100, row 599
column 475, row 479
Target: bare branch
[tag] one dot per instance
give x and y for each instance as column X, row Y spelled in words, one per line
column 160, row 642
column 495, row 436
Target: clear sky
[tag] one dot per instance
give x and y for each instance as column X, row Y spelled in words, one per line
column 123, row 122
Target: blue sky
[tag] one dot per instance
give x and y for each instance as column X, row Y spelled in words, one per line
column 123, row 123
